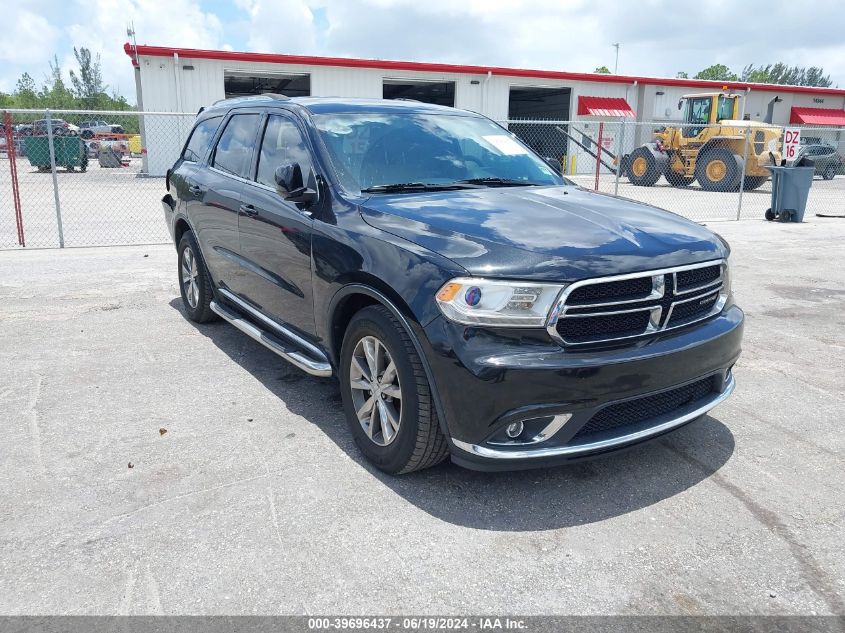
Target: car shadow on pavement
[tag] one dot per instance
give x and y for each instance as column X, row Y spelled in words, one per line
column 531, row 500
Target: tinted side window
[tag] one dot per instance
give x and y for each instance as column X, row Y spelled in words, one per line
column 234, row 149
column 282, row 145
column 200, row 139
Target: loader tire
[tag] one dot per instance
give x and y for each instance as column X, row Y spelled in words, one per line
column 719, row 170
column 643, row 170
column 677, row 180
column 754, row 182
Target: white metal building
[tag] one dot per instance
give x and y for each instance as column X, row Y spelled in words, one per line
column 184, row 80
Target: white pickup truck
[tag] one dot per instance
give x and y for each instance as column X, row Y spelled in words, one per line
column 87, row 129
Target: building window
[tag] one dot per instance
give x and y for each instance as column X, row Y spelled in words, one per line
column 437, row 92
column 243, row 84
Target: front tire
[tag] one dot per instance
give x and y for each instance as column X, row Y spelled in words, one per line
column 386, row 395
column 829, row 173
column 719, row 170
column 194, row 281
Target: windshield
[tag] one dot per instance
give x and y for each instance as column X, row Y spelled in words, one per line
column 373, row 151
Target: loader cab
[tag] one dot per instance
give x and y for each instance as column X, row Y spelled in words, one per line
column 701, row 110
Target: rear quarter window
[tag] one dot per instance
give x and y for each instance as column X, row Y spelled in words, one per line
column 200, row 139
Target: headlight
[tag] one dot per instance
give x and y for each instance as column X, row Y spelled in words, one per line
column 472, row 301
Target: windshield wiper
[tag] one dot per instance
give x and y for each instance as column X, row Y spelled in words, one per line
column 499, row 182
column 417, row 186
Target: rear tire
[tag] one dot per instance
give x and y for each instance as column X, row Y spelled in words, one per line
column 194, row 281
column 754, row 182
column 718, row 170
column 416, row 441
column 677, row 180
column 643, row 170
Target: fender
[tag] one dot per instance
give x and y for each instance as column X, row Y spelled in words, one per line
column 400, row 316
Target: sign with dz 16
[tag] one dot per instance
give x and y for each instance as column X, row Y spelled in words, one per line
column 791, row 140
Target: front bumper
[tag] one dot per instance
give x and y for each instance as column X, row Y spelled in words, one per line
column 488, row 379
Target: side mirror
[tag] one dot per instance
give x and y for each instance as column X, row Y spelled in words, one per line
column 680, row 104
column 291, row 186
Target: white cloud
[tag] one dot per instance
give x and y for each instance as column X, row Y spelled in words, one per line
column 280, row 26
column 26, row 37
column 101, row 26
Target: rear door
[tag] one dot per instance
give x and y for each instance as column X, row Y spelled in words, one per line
column 275, row 235
column 214, row 195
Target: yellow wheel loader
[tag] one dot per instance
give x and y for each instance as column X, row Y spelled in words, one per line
column 709, row 147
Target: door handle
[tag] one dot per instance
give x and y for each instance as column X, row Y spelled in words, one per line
column 196, row 189
column 248, row 210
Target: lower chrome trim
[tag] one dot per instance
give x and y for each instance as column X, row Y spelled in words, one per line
column 297, row 340
column 294, row 357
column 583, row 449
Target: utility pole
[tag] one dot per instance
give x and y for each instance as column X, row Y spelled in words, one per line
column 616, row 65
column 130, row 32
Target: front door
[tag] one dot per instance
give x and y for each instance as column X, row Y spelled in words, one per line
column 275, row 235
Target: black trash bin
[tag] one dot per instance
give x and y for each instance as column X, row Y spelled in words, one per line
column 790, row 187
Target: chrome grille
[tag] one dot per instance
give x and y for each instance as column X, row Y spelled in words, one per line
column 609, row 309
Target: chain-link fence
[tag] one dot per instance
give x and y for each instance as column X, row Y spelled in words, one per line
column 84, row 178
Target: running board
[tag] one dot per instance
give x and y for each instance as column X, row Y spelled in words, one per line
column 287, row 351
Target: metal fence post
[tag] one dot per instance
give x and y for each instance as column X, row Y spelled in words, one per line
column 620, row 139
column 742, row 175
column 598, row 153
column 55, row 178
column 13, row 172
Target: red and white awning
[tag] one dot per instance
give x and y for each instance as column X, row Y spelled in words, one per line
column 604, row 106
column 817, row 116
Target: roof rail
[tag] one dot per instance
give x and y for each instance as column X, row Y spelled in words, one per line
column 405, row 99
column 275, row 95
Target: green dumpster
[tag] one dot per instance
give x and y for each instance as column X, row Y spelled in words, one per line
column 70, row 152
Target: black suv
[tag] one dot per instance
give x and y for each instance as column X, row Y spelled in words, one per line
column 469, row 300
column 827, row 161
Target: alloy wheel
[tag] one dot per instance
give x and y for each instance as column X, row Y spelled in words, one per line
column 190, row 277
column 376, row 392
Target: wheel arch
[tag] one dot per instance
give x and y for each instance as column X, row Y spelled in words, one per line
column 731, row 143
column 357, row 295
column 180, row 227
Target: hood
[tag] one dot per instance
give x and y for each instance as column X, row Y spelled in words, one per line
column 543, row 233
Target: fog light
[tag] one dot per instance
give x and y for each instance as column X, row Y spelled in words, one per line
column 514, row 430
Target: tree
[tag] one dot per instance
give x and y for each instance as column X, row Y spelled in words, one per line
column 88, row 84
column 55, row 91
column 780, row 73
column 716, row 72
column 602, row 70
column 25, row 94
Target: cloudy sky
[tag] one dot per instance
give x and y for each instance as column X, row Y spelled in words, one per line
column 657, row 37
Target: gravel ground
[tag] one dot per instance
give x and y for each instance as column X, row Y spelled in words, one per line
column 149, row 465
